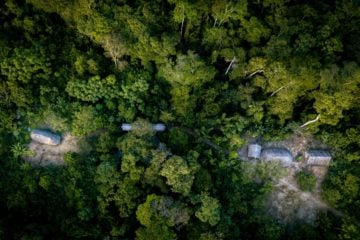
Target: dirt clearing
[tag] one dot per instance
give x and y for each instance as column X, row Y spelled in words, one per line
column 44, row 155
column 287, row 203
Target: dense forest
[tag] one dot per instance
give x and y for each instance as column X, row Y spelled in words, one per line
column 213, row 71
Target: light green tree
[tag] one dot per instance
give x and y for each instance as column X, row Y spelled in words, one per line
column 178, row 175
column 210, row 209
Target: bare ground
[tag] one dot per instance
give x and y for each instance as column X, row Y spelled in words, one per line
column 288, row 203
column 44, row 155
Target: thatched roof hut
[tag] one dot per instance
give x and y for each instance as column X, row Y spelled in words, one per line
column 282, row 155
column 254, row 150
column 318, row 157
column 45, row 137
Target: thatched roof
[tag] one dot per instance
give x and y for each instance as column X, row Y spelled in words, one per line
column 277, row 154
column 254, row 150
column 45, row 137
column 318, row 157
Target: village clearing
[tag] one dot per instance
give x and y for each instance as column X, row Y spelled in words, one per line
column 287, row 203
column 45, row 155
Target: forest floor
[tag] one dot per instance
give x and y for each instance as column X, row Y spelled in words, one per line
column 44, row 155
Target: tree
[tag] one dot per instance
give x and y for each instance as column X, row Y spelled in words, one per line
column 189, row 12
column 349, row 230
column 133, row 92
column 157, row 214
column 338, row 92
column 188, row 70
column 187, row 73
column 115, row 189
column 19, row 150
column 209, row 211
column 162, row 208
column 85, row 121
column 151, row 174
column 178, row 175
column 94, row 88
column 254, row 30
column 149, row 48
column 142, row 128
column 115, row 49
column 27, row 64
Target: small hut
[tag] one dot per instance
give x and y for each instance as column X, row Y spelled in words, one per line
column 126, row 127
column 318, row 157
column 282, row 155
column 254, row 150
column 45, row 137
column 158, row 127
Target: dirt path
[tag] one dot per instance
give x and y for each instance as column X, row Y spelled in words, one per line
column 203, row 139
column 312, row 199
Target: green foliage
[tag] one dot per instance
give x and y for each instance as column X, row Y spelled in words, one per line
column 19, row 150
column 94, row 89
column 157, row 214
column 85, row 121
column 178, row 140
column 349, row 230
column 218, row 73
column 25, row 65
column 178, row 175
column 115, row 189
column 163, row 210
column 105, row 143
column 133, row 93
column 50, row 118
column 188, row 72
column 306, row 181
column 155, row 232
column 142, row 128
column 151, row 174
column 209, row 211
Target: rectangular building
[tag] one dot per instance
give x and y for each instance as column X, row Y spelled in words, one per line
column 318, row 157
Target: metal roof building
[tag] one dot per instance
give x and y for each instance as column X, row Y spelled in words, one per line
column 318, row 157
column 254, row 150
column 158, row 127
column 126, row 127
column 282, row 155
column 45, row 137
